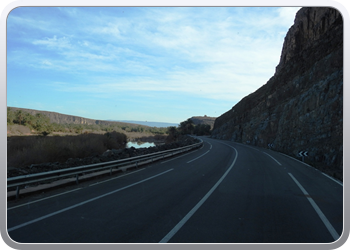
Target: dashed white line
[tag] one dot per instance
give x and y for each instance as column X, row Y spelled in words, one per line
column 324, row 219
column 84, row 202
column 178, row 156
column 115, row 178
column 314, row 169
column 31, row 202
column 198, row 157
column 273, row 159
column 199, row 204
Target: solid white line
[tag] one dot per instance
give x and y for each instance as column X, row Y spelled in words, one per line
column 273, row 158
column 333, row 179
column 199, row 204
column 115, row 177
column 198, row 157
column 326, row 222
column 211, row 146
column 84, row 202
column 28, row 203
column 298, row 161
column 178, row 157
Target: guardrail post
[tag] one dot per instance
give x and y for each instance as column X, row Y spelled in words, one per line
column 110, row 171
column 77, row 179
column 17, row 192
column 137, row 164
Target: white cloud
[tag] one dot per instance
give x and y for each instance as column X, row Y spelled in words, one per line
column 214, row 53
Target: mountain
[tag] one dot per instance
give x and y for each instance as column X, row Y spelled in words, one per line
column 150, row 124
column 301, row 107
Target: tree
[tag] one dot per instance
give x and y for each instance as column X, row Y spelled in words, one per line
column 187, row 127
column 10, row 117
column 173, row 134
column 19, row 116
column 42, row 123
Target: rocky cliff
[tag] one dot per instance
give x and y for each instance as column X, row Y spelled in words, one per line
column 301, row 106
column 207, row 120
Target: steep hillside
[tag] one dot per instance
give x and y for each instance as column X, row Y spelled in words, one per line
column 301, row 106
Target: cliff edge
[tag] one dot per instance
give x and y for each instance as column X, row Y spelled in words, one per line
column 301, row 107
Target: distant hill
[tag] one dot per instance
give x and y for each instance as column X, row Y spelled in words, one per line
column 71, row 119
column 203, row 120
column 150, row 124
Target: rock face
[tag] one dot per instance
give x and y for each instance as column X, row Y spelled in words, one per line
column 207, row 120
column 301, row 106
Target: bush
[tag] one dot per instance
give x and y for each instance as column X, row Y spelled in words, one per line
column 25, row 150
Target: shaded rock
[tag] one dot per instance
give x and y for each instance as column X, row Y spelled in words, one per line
column 301, row 106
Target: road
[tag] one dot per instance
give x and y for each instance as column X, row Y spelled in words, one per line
column 224, row 192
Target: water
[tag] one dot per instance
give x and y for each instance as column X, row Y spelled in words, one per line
column 140, row 144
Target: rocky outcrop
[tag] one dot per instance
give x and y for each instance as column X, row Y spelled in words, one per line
column 301, row 106
column 207, row 120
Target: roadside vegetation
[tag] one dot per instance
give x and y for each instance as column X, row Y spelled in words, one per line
column 187, row 128
column 24, row 123
column 26, row 150
column 33, row 139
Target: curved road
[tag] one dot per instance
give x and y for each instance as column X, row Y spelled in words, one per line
column 224, row 192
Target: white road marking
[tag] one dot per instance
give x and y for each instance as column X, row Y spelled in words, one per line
column 31, row 202
column 333, row 179
column 249, row 147
column 314, row 169
column 324, row 219
column 178, row 156
column 297, row 160
column 199, row 204
column 198, row 157
column 115, row 177
column 273, row 159
column 84, row 202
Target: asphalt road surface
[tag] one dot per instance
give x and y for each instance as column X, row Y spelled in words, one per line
column 224, row 192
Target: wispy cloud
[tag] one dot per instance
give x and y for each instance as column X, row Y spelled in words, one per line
column 214, row 53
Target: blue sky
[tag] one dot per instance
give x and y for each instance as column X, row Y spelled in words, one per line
column 162, row 64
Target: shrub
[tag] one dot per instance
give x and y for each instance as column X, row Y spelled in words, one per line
column 25, row 150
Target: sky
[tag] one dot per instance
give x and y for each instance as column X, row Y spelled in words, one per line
column 163, row 64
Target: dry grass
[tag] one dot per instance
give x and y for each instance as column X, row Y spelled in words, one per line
column 25, row 150
column 18, row 130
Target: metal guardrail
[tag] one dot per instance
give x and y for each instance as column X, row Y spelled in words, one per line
column 23, row 180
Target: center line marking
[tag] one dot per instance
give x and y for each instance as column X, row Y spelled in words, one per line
column 199, row 204
column 198, row 157
column 273, row 158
